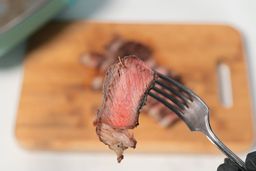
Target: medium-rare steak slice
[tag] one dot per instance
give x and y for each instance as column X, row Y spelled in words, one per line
column 119, row 47
column 125, row 87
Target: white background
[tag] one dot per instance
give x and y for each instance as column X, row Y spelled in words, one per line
column 239, row 13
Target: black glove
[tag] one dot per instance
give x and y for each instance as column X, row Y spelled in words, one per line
column 229, row 165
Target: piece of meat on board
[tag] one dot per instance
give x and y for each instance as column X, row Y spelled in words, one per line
column 125, row 87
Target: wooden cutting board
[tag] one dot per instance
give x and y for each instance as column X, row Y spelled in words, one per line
column 57, row 106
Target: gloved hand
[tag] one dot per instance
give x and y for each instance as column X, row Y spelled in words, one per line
column 229, row 165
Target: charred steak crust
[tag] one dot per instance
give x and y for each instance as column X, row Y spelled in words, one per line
column 135, row 48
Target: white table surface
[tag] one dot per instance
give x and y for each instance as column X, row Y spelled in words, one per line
column 239, row 13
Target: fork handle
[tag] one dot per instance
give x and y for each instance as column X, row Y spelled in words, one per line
column 215, row 140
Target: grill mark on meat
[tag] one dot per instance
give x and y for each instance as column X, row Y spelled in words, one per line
column 125, row 88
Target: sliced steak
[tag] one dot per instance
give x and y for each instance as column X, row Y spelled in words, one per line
column 134, row 48
column 117, row 48
column 124, row 88
column 121, row 47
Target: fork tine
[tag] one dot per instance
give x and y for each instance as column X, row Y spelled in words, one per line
column 167, row 104
column 180, row 86
column 170, row 97
column 175, row 92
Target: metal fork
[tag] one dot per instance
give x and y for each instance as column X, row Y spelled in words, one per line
column 190, row 108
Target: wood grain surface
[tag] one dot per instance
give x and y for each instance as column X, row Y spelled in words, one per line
column 57, row 106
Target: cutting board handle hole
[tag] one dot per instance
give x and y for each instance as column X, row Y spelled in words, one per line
column 224, row 85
